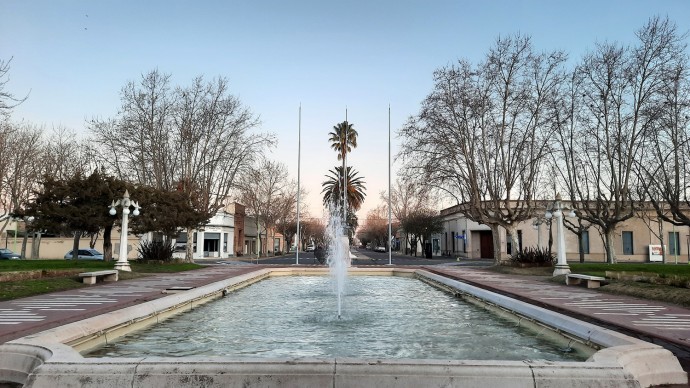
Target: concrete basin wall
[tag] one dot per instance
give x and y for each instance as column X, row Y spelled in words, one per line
column 51, row 358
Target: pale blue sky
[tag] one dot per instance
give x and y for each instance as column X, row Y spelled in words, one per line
column 74, row 57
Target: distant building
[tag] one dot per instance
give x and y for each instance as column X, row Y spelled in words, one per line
column 465, row 238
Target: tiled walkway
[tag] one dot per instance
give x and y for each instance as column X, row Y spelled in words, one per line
column 647, row 319
column 24, row 316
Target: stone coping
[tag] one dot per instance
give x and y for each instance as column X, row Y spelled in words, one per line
column 51, row 358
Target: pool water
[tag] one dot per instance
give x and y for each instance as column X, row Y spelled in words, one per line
column 384, row 317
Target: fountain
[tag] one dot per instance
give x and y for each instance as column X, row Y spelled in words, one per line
column 51, row 358
column 338, row 258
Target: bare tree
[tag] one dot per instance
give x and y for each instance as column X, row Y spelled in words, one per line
column 197, row 139
column 609, row 119
column 663, row 168
column 20, row 169
column 263, row 191
column 483, row 133
column 64, row 155
column 7, row 133
column 408, row 196
column 375, row 228
column 287, row 213
column 313, row 230
column 139, row 143
column 7, row 99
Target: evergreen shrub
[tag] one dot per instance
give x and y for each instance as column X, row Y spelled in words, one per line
column 159, row 251
column 534, row 256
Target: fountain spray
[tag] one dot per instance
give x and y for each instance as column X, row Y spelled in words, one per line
column 338, row 254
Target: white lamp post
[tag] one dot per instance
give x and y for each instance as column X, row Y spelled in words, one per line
column 122, row 264
column 556, row 210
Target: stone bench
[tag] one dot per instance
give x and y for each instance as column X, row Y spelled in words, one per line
column 576, row 278
column 91, row 277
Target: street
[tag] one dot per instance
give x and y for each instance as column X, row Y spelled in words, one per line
column 369, row 257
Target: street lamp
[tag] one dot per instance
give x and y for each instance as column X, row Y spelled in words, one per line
column 556, row 210
column 122, row 263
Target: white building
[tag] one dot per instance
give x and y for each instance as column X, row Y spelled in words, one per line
column 214, row 240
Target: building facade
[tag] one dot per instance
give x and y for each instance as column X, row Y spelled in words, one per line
column 635, row 240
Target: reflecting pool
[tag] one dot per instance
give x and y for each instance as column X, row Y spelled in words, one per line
column 384, row 317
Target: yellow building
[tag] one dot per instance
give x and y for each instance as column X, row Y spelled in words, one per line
column 634, row 239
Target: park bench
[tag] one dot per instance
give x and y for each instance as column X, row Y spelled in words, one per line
column 91, row 277
column 576, row 278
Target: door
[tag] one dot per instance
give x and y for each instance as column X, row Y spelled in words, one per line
column 211, row 244
column 486, row 244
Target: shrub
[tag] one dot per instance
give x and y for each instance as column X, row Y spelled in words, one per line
column 161, row 251
column 537, row 256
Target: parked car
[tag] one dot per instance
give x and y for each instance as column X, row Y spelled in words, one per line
column 6, row 254
column 85, row 254
column 311, row 248
column 380, row 249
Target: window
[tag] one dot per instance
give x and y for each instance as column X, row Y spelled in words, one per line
column 181, row 242
column 519, row 233
column 673, row 243
column 627, row 243
column 584, row 242
column 452, row 239
column 225, row 242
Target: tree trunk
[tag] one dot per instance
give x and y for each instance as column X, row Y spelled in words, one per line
column 35, row 245
column 511, row 235
column 108, row 243
column 581, row 247
column 497, row 244
column 608, row 245
column 661, row 241
column 189, row 251
column 26, row 237
column 75, row 245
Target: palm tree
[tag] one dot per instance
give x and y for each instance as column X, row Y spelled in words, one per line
column 343, row 139
column 355, row 188
column 332, row 194
column 340, row 133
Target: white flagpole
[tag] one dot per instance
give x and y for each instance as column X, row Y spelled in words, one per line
column 345, row 174
column 299, row 149
column 390, row 231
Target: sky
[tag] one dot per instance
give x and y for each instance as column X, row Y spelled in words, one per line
column 72, row 57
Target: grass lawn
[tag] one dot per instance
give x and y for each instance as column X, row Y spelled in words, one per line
column 599, row 269
column 68, row 280
column 24, row 288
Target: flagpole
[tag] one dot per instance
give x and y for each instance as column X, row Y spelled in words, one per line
column 390, row 231
column 299, row 150
column 345, row 174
